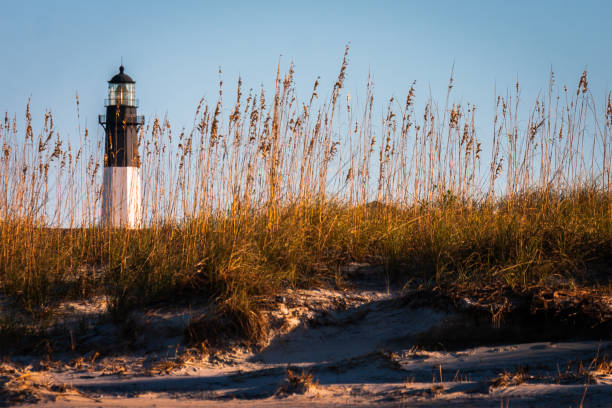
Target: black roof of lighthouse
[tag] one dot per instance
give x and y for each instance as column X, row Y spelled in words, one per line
column 121, row 78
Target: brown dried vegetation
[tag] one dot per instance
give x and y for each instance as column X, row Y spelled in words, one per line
column 297, row 383
column 278, row 192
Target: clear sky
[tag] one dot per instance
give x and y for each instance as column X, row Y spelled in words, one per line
column 53, row 49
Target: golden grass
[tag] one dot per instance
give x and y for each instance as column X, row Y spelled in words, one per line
column 508, row 378
column 20, row 385
column 277, row 191
column 297, row 383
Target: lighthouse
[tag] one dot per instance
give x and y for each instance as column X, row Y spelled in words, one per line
column 121, row 196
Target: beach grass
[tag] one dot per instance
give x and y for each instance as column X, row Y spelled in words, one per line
column 275, row 192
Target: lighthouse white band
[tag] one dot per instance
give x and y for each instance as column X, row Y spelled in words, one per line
column 121, row 197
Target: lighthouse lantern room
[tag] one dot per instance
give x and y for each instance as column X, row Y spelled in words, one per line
column 121, row 196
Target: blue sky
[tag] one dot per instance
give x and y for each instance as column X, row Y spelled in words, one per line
column 53, row 49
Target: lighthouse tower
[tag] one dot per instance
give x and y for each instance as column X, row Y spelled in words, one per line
column 121, row 197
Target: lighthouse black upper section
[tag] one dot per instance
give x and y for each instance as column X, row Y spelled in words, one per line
column 121, row 78
column 121, row 123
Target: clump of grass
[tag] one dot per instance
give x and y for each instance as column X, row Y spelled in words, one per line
column 580, row 374
column 278, row 192
column 507, row 378
column 297, row 383
column 20, row 385
column 224, row 324
column 602, row 365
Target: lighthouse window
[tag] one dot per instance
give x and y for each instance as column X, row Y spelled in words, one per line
column 121, row 94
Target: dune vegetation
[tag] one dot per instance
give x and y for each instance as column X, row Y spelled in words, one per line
column 275, row 192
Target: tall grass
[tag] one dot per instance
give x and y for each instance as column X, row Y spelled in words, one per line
column 275, row 191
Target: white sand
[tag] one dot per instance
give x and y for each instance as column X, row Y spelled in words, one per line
column 352, row 344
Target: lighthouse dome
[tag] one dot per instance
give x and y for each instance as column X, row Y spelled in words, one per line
column 121, row 78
